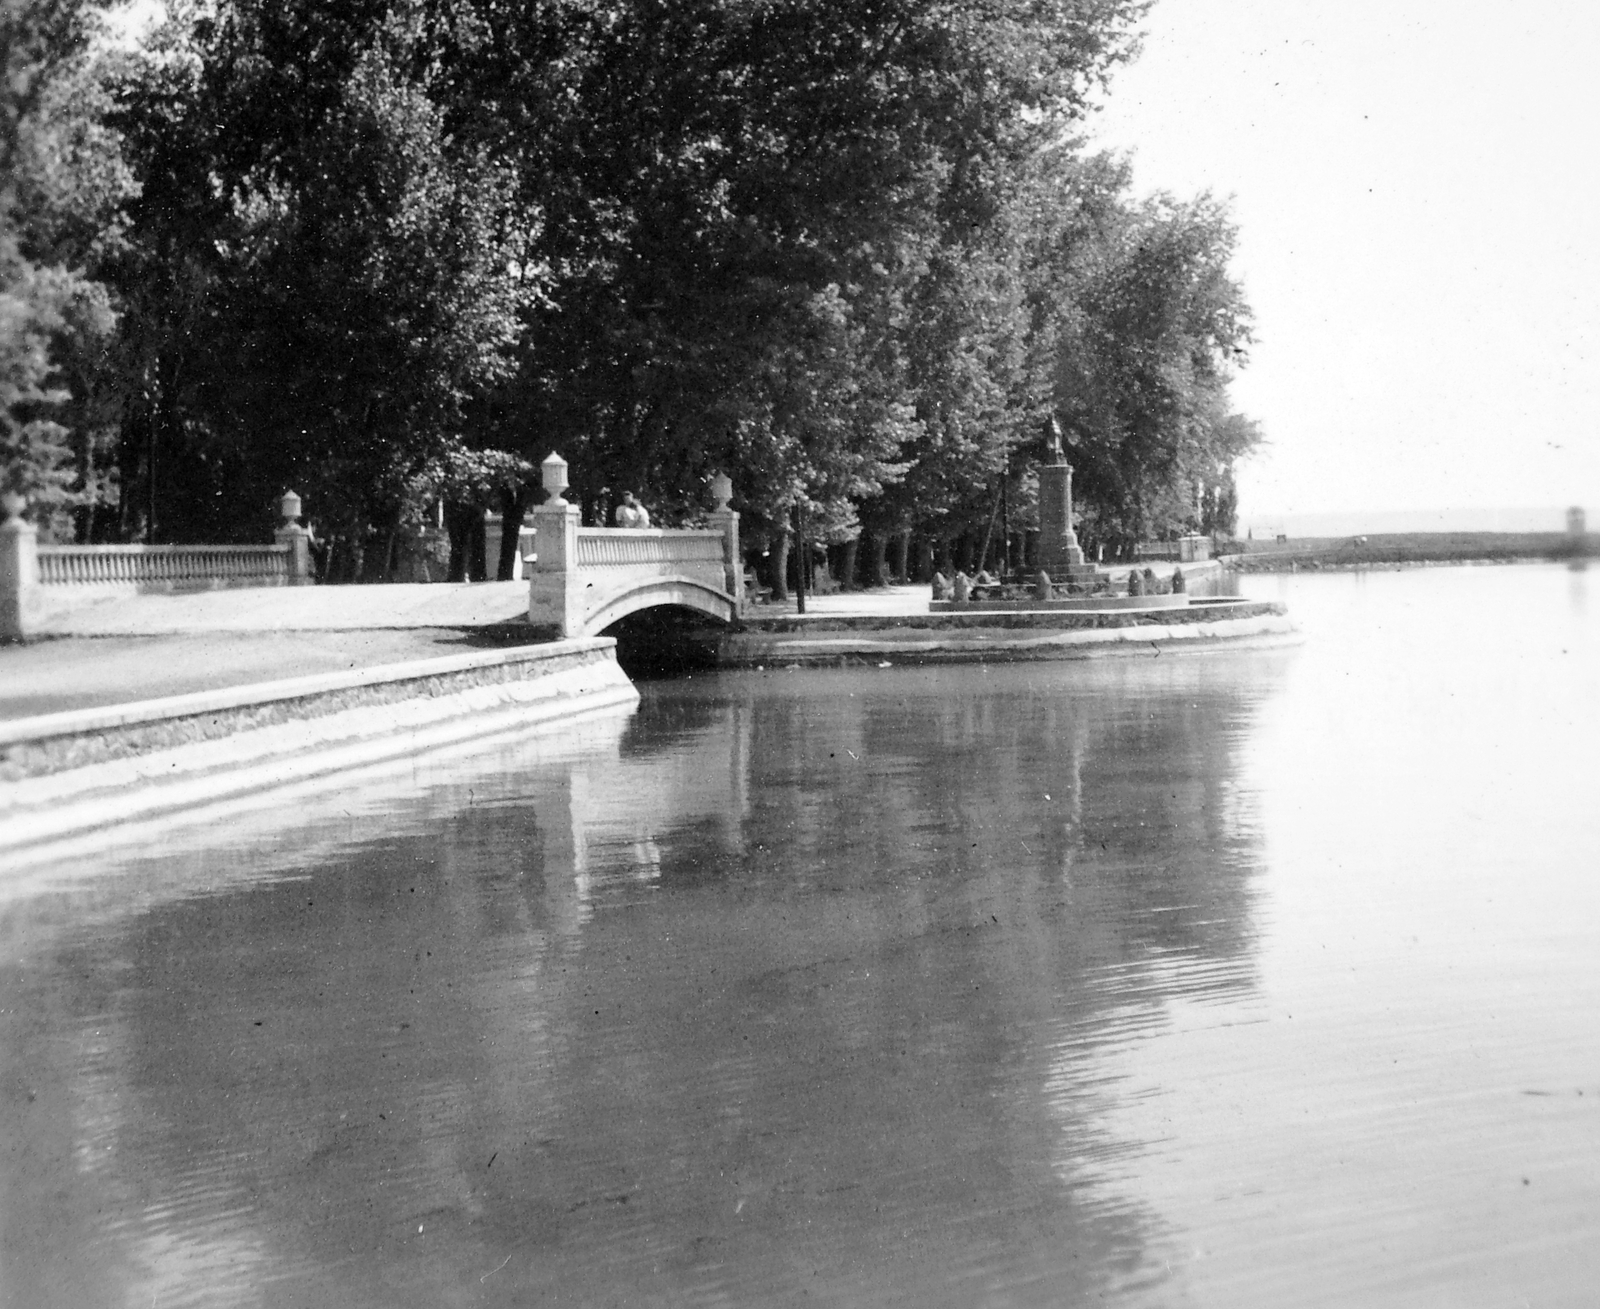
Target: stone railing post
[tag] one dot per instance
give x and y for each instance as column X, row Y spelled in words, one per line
column 555, row 590
column 297, row 538
column 726, row 521
column 19, row 571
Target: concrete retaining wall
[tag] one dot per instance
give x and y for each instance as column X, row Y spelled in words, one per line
column 65, row 774
column 999, row 636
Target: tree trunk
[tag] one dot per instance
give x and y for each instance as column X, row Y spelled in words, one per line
column 377, row 559
column 847, row 565
column 129, row 443
column 478, row 556
column 803, row 558
column 459, row 527
column 1005, row 523
column 511, row 506
column 902, row 548
column 988, row 535
column 780, row 567
column 345, row 560
column 877, row 559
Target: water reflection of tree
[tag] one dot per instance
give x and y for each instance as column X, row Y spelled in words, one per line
column 1018, row 851
column 838, row 1036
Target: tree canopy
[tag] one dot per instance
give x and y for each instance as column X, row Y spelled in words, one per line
column 61, row 180
column 849, row 252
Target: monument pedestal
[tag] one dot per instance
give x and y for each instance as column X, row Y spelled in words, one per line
column 1059, row 552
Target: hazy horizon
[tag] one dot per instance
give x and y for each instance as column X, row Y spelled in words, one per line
column 1461, row 518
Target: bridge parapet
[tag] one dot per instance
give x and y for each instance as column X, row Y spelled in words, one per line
column 585, row 578
column 650, row 547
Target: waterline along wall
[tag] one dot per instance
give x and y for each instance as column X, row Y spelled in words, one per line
column 983, row 635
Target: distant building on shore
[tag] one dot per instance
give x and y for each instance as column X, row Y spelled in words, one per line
column 1576, row 523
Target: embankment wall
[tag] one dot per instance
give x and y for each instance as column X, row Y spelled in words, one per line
column 69, row 773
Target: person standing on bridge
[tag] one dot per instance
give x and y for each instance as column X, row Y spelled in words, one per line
column 630, row 513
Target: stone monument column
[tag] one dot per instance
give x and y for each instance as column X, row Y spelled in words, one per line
column 1059, row 552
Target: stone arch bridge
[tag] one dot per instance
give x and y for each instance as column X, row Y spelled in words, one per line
column 585, row 578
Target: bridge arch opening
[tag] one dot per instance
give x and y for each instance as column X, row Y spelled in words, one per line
column 665, row 641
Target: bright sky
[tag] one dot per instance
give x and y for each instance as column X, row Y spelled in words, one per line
column 1417, row 184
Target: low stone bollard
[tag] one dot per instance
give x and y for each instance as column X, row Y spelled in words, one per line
column 962, row 591
column 1042, row 588
column 941, row 587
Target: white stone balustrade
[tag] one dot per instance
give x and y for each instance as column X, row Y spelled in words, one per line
column 649, row 547
column 160, row 566
column 31, row 573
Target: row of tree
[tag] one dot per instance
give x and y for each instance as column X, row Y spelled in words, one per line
column 394, row 251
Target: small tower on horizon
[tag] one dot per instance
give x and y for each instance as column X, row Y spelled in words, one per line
column 1577, row 525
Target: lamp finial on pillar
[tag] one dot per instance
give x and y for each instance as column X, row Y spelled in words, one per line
column 553, row 473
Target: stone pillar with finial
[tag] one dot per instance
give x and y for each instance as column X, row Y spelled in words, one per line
column 297, row 538
column 19, row 570
column 555, row 596
column 726, row 521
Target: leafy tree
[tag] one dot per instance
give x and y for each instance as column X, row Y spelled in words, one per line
column 846, row 251
column 1144, row 347
column 966, row 341
column 60, row 179
column 468, row 482
column 708, row 170
column 342, row 278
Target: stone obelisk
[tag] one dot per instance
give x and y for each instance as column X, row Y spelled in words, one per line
column 1059, row 552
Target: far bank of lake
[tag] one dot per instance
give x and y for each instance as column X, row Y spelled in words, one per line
column 1389, row 549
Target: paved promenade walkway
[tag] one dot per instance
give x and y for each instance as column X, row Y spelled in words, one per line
column 144, row 647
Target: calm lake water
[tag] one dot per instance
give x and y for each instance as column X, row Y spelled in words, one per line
column 1230, row 979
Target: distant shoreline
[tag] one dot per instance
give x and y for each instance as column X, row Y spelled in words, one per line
column 1399, row 549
